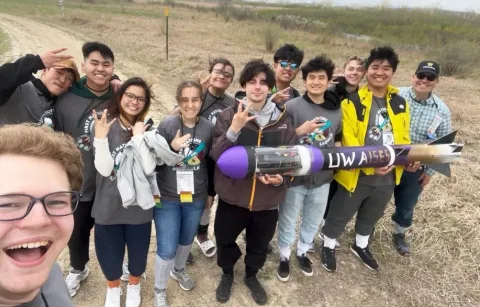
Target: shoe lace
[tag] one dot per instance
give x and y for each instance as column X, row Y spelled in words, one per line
column 305, row 261
column 71, row 279
column 183, row 275
column 160, row 297
column 134, row 288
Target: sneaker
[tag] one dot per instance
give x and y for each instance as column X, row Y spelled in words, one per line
column 224, row 288
column 74, row 279
column 185, row 282
column 126, row 274
column 329, row 261
column 320, row 235
column 365, row 256
column 283, row 271
column 190, row 259
column 258, row 293
column 305, row 265
column 160, row 297
column 402, row 246
column 113, row 297
column 133, row 296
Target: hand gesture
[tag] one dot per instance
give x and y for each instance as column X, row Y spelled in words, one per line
column 412, row 167
column 335, row 76
column 205, row 83
column 382, row 171
column 101, row 125
column 271, row 179
column 424, row 179
column 139, row 128
column 180, row 142
column 241, row 118
column 309, row 126
column 209, row 202
column 50, row 58
column 281, row 96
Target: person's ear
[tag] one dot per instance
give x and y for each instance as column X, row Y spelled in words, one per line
column 83, row 67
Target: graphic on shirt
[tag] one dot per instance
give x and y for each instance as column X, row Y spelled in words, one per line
column 213, row 115
column 46, row 118
column 84, row 142
column 116, row 156
column 192, row 155
column 382, row 125
column 320, row 137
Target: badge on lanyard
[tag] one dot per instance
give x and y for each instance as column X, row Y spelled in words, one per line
column 185, row 185
column 388, row 138
column 433, row 126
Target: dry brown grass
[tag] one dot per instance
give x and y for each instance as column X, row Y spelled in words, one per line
column 444, row 267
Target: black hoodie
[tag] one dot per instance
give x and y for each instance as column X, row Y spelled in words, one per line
column 302, row 109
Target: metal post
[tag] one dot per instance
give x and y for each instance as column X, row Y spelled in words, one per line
column 60, row 3
column 166, row 30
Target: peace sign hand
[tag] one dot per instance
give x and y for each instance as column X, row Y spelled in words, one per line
column 101, row 125
column 179, row 142
column 205, row 83
column 281, row 96
column 241, row 118
column 50, row 58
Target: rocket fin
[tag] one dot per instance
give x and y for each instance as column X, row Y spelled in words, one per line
column 442, row 168
column 446, row 139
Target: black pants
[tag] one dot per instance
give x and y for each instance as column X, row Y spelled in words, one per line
column 331, row 192
column 110, row 241
column 79, row 243
column 230, row 221
column 368, row 202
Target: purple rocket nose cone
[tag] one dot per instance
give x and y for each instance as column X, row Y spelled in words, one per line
column 234, row 162
column 317, row 159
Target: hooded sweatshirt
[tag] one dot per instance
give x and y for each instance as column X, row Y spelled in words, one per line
column 302, row 109
column 24, row 98
column 73, row 115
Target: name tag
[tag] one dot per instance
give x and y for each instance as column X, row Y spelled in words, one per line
column 437, row 120
column 185, row 186
column 388, row 138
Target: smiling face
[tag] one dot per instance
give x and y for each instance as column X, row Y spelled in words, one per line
column 316, row 83
column 354, row 72
column 422, row 85
column 284, row 72
column 190, row 103
column 133, row 102
column 97, row 69
column 57, row 81
column 30, row 246
column 379, row 74
column 222, row 76
column 257, row 89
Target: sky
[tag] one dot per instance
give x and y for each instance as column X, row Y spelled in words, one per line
column 455, row 5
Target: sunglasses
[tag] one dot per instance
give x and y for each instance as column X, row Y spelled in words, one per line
column 430, row 77
column 285, row 64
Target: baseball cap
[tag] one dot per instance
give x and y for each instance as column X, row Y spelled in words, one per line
column 68, row 64
column 429, row 67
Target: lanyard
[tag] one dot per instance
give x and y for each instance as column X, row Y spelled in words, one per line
column 191, row 146
column 387, row 118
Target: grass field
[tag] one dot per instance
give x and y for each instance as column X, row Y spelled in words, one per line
column 4, row 42
column 444, row 267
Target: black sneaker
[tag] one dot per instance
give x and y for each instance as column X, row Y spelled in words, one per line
column 365, row 256
column 283, row 271
column 329, row 261
column 258, row 293
column 224, row 288
column 190, row 259
column 402, row 246
column 305, row 265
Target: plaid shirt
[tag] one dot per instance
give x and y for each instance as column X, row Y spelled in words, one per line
column 422, row 117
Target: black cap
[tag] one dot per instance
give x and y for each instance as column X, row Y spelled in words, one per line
column 429, row 67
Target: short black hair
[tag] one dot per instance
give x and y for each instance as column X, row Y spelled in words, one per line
column 253, row 68
column 104, row 50
column 319, row 63
column 290, row 53
column 223, row 61
column 383, row 53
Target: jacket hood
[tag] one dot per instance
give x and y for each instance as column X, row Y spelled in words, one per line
column 42, row 88
column 332, row 101
column 80, row 89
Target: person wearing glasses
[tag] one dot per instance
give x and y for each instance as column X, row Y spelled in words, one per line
column 429, row 119
column 42, row 174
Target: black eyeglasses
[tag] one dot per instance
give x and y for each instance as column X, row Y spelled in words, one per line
column 285, row 64
column 430, row 77
column 225, row 74
column 131, row 97
column 17, row 206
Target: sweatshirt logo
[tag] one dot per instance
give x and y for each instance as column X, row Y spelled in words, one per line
column 84, row 141
column 192, row 155
column 46, row 118
column 320, row 137
column 382, row 124
column 117, row 157
column 213, row 115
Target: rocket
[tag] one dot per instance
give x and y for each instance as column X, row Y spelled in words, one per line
column 241, row 162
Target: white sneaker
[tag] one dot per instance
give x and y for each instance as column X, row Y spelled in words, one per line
column 113, row 297
column 126, row 274
column 73, row 280
column 160, row 297
column 133, row 296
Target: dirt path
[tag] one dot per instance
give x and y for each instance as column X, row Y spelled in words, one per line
column 29, row 36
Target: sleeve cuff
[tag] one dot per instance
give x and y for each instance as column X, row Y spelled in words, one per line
column 232, row 136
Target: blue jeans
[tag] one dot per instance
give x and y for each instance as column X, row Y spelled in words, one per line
column 176, row 224
column 406, row 197
column 312, row 203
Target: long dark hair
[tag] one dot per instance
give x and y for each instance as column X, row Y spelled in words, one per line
column 115, row 109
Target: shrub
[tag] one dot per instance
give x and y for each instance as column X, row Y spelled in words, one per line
column 456, row 58
column 270, row 36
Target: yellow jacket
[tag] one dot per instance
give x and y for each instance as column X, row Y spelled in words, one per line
column 356, row 113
